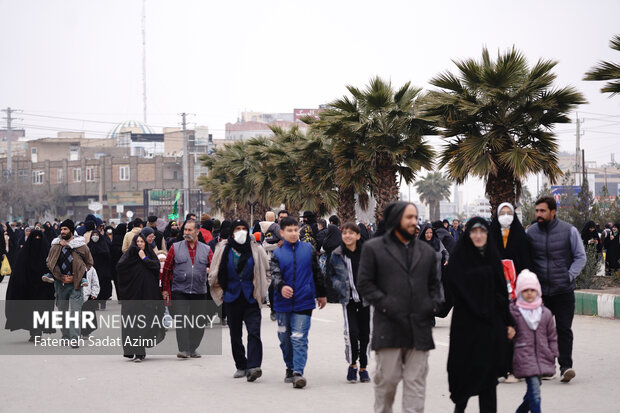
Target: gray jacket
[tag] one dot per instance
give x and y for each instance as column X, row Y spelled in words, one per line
column 558, row 256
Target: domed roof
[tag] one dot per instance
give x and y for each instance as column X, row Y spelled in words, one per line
column 134, row 126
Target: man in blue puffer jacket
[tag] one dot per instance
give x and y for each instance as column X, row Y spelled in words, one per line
column 558, row 256
column 298, row 281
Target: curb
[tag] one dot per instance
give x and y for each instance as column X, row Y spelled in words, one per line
column 598, row 304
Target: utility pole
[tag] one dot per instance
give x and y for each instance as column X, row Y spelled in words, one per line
column 185, row 166
column 9, row 155
column 9, row 151
column 578, row 149
column 583, row 166
column 144, row 58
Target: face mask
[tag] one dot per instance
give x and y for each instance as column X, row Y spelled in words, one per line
column 240, row 236
column 505, row 220
column 95, row 238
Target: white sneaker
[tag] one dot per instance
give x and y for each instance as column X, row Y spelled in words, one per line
column 511, row 379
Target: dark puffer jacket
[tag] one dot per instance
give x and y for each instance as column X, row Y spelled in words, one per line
column 534, row 350
column 558, row 256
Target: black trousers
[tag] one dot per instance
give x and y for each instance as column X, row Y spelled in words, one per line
column 239, row 312
column 357, row 322
column 271, row 292
column 189, row 335
column 487, row 400
column 563, row 308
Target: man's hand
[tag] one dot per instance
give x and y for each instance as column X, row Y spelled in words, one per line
column 287, row 292
column 322, row 302
column 511, row 332
column 63, row 243
column 280, row 243
column 67, row 279
column 164, row 294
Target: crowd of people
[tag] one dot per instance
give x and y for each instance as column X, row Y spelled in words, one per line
column 510, row 290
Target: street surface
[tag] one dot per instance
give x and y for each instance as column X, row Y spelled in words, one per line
column 164, row 383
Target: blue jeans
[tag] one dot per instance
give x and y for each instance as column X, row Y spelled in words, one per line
column 531, row 400
column 293, row 334
column 69, row 299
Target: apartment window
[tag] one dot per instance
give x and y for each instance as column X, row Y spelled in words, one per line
column 175, row 175
column 33, row 155
column 22, row 173
column 90, row 174
column 37, row 177
column 59, row 176
column 124, row 173
column 74, row 152
column 77, row 174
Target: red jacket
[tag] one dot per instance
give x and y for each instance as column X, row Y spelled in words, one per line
column 206, row 235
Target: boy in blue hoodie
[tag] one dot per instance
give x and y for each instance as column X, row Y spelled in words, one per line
column 298, row 282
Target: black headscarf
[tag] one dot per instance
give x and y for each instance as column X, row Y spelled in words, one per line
column 100, row 247
column 168, row 230
column 244, row 249
column 119, row 235
column 587, row 235
column 32, row 257
column 225, row 229
column 434, row 242
column 131, row 284
column 256, row 227
column 364, row 234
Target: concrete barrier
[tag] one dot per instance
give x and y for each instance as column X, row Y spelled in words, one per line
column 597, row 303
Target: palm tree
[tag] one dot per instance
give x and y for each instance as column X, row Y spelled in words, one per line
column 377, row 135
column 349, row 173
column 294, row 184
column 433, row 189
column 607, row 71
column 498, row 118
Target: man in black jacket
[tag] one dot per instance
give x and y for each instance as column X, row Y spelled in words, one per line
column 398, row 276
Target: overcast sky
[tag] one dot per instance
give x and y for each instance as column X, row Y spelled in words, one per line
column 83, row 59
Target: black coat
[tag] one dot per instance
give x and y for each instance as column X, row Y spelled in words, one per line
column 403, row 286
column 518, row 246
column 476, row 286
column 26, row 291
column 587, row 235
column 446, row 238
column 333, row 239
column 100, row 251
column 138, row 288
column 612, row 251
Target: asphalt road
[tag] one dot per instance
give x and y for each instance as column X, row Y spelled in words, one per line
column 164, row 383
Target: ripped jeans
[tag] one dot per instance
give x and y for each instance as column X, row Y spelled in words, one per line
column 293, row 334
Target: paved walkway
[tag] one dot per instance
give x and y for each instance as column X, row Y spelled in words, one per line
column 164, row 383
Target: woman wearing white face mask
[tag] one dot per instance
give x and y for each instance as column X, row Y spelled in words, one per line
column 509, row 237
column 239, row 277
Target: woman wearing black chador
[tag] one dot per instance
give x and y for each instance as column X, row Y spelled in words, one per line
column 481, row 322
